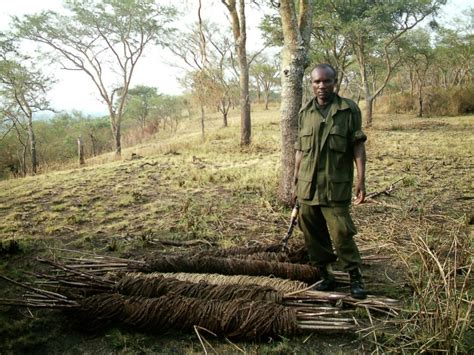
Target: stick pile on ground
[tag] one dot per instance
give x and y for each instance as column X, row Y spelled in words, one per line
column 106, row 290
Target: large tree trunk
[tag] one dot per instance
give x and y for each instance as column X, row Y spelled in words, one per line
column 294, row 61
column 117, row 141
column 32, row 138
column 115, row 126
column 80, row 151
column 369, row 106
column 240, row 37
column 245, row 125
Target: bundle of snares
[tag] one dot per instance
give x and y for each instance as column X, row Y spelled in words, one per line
column 228, row 266
column 198, row 264
column 155, row 285
column 237, row 318
column 273, row 252
column 234, row 319
column 282, row 285
column 76, row 284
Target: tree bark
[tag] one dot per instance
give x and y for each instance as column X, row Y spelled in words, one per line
column 240, row 37
column 296, row 33
column 94, row 144
column 23, row 162
column 32, row 138
column 420, row 99
column 80, row 151
column 369, row 106
column 225, row 110
column 203, row 115
column 117, row 141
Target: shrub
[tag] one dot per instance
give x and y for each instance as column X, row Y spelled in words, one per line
column 396, row 103
column 437, row 102
column 462, row 101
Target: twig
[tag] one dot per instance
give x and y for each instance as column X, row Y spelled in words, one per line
column 200, row 340
column 207, row 330
column 37, row 290
column 235, row 346
column 386, row 191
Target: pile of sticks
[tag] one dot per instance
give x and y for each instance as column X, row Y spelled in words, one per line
column 247, row 299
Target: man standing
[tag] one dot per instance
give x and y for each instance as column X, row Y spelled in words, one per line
column 330, row 140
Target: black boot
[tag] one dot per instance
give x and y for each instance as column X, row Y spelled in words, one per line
column 357, row 285
column 327, row 277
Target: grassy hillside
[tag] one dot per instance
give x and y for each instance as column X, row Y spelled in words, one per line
column 182, row 188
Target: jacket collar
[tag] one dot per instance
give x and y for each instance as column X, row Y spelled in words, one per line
column 338, row 104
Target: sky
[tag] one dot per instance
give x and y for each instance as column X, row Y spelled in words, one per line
column 75, row 91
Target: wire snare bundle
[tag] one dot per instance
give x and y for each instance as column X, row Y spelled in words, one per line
column 234, row 319
column 98, row 291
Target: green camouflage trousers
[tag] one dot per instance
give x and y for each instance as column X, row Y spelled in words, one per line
column 325, row 226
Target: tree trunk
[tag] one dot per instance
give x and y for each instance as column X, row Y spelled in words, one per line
column 294, row 61
column 266, row 100
column 94, row 144
column 80, row 151
column 224, row 117
column 32, row 138
column 224, row 112
column 22, row 160
column 117, row 142
column 420, row 99
column 115, row 125
column 259, row 93
column 240, row 37
column 369, row 100
column 245, row 124
column 202, row 121
column 412, row 83
column 369, row 103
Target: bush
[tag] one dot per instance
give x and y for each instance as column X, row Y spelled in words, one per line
column 437, row 102
column 462, row 101
column 396, row 103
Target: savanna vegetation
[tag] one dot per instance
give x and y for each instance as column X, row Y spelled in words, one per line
column 213, row 164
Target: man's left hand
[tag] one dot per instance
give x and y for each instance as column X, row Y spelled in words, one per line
column 360, row 193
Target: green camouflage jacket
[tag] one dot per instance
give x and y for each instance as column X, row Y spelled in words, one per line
column 327, row 168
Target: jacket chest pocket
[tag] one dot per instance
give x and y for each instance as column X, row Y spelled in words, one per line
column 338, row 139
column 306, row 139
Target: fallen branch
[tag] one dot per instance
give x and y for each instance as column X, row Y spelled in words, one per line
column 387, row 191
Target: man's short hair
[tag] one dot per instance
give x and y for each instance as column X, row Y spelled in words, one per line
column 326, row 66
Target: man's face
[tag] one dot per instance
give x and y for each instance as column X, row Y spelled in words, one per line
column 323, row 83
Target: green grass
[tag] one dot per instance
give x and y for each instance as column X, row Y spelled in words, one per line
column 187, row 188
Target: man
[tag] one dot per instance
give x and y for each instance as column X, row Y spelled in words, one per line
column 329, row 140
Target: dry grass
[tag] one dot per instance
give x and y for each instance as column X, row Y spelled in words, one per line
column 185, row 188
